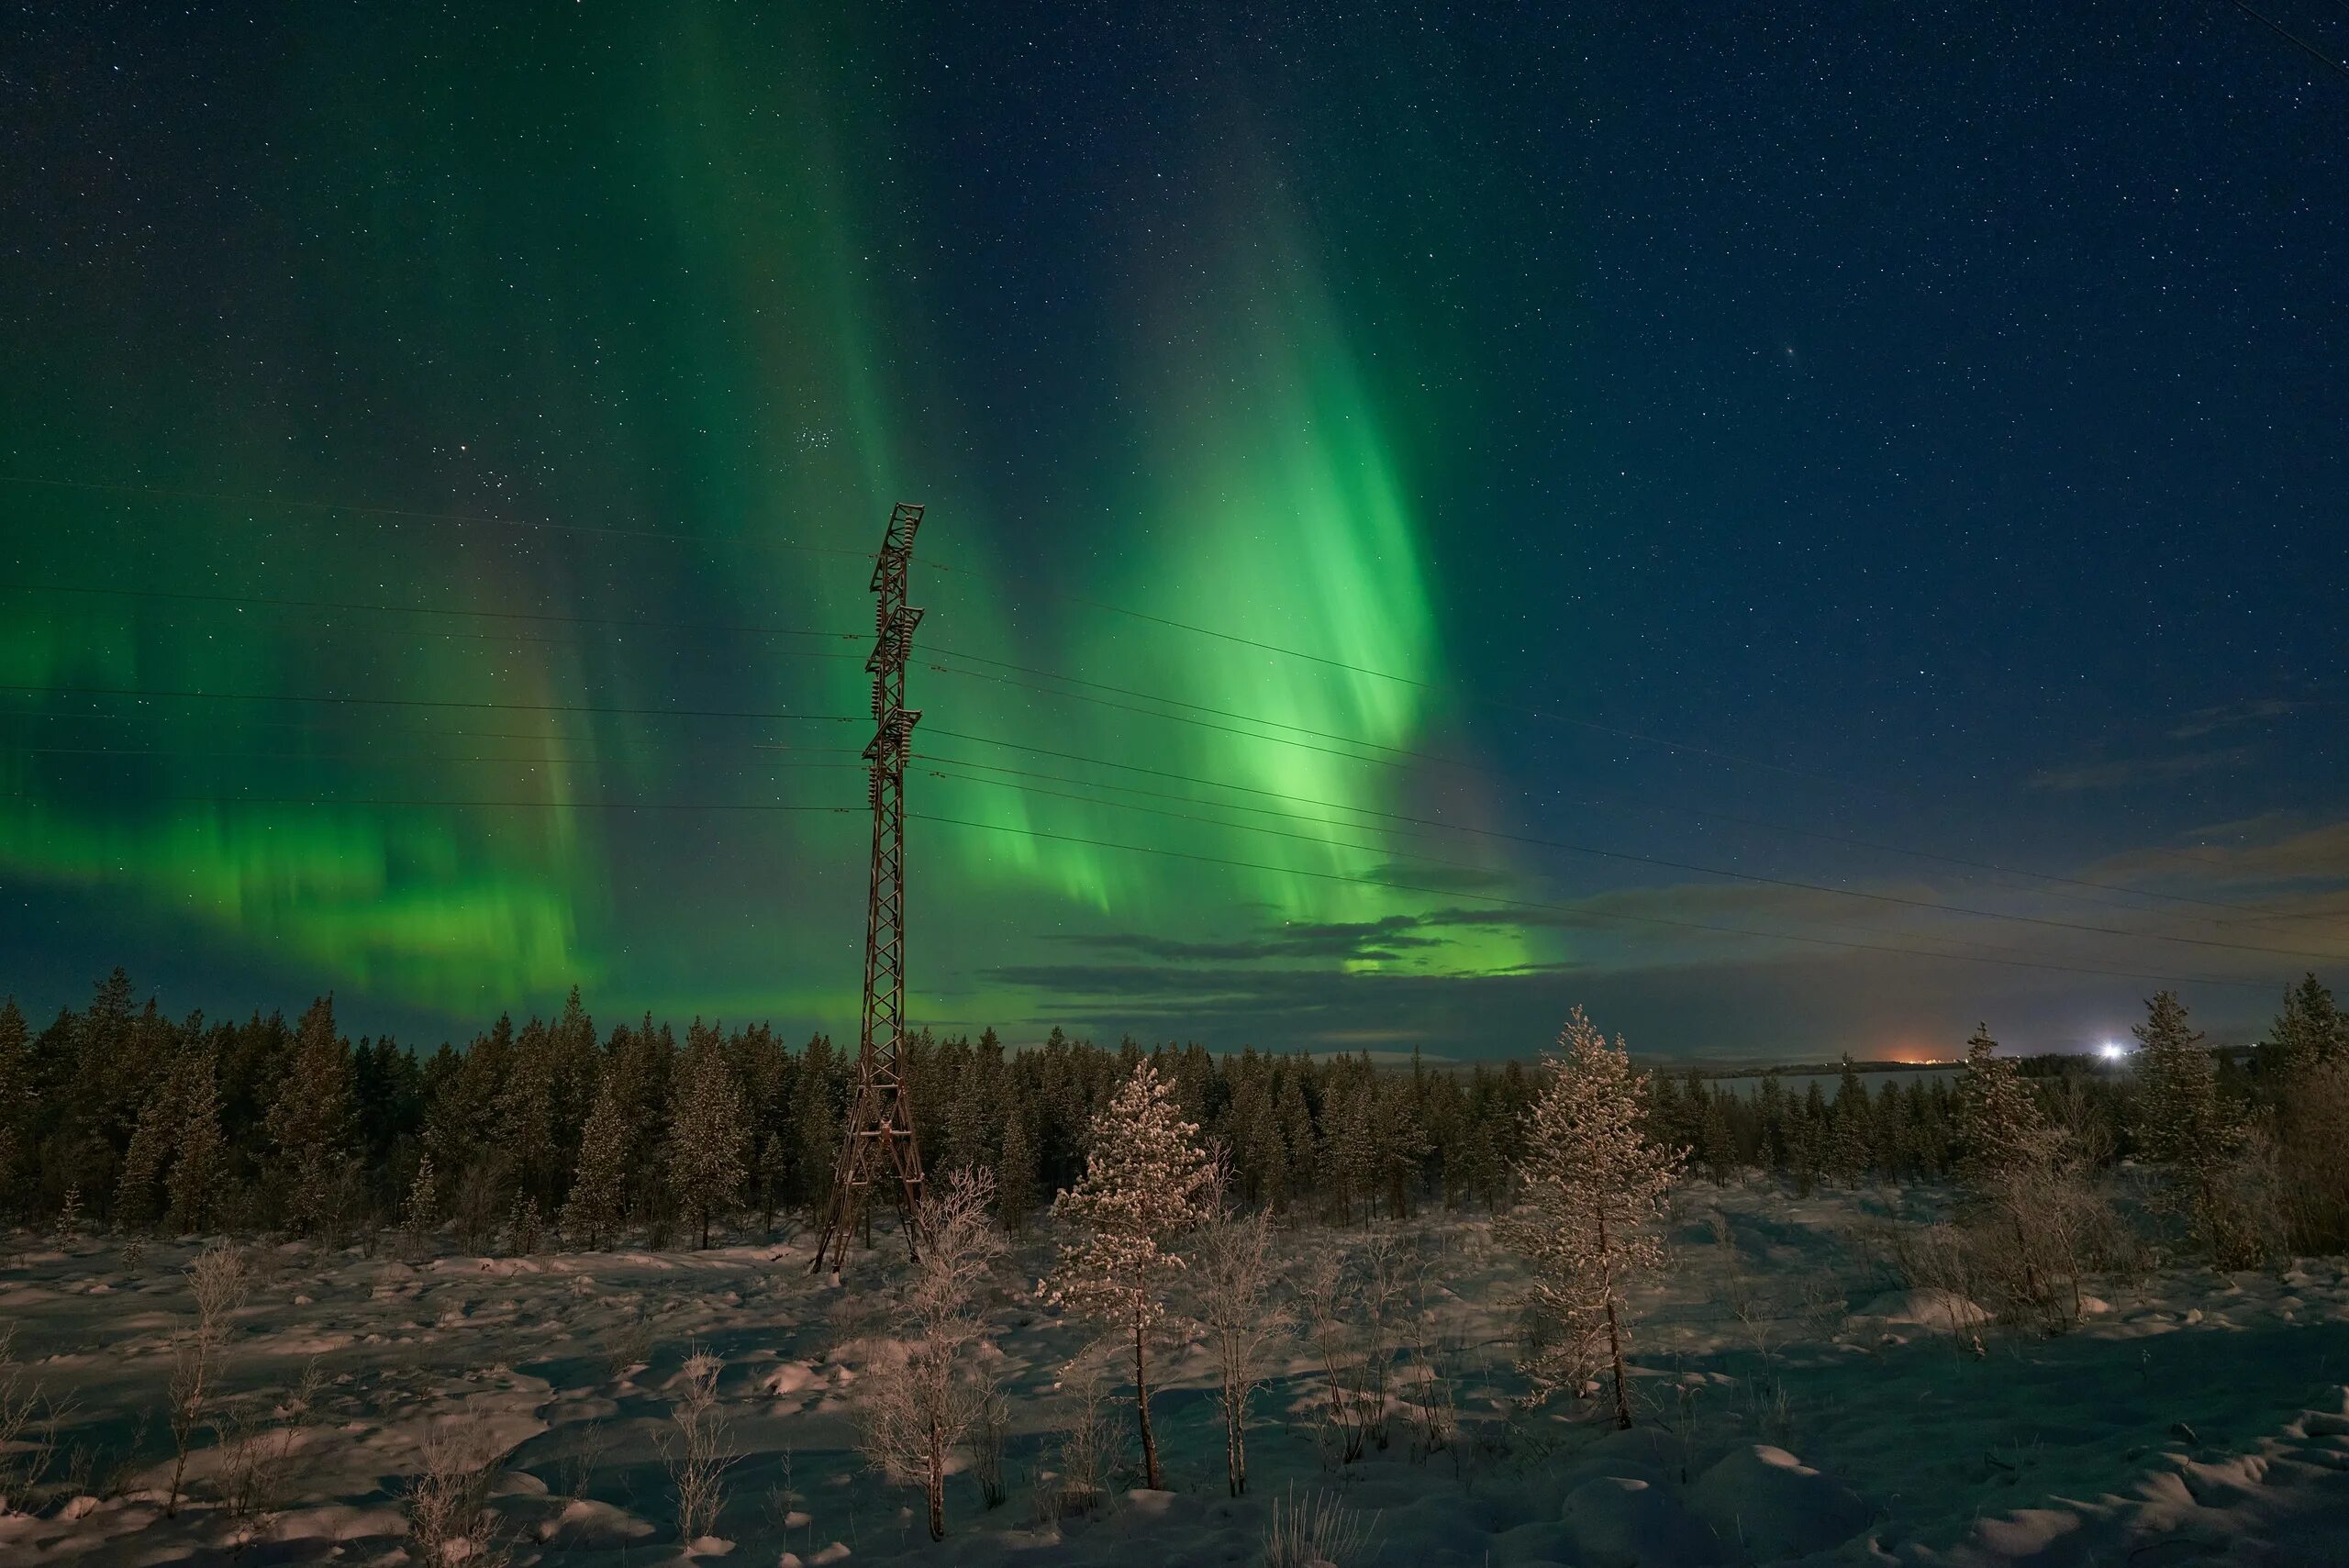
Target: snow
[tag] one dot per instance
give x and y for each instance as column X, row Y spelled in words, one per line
column 2194, row 1416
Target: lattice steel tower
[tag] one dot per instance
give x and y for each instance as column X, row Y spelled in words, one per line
column 878, row 1142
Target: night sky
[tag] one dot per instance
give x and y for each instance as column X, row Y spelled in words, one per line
column 1800, row 527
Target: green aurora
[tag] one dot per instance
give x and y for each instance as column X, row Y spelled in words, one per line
column 679, row 277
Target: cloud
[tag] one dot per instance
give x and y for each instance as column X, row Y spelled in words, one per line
column 2122, row 772
column 2235, row 854
column 2226, row 715
column 1291, row 940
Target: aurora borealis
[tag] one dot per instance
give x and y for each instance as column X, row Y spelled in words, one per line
column 1394, row 422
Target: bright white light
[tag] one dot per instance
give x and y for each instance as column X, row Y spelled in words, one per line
column 2111, row 1050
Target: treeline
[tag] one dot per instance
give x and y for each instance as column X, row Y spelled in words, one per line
column 118, row 1116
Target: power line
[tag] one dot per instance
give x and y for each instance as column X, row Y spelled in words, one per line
column 2291, row 38
column 1572, row 909
column 404, row 514
column 1576, row 911
column 342, row 605
column 1545, row 715
column 1150, row 712
column 1791, row 883
column 1744, row 822
column 1788, row 883
column 425, row 702
column 246, row 756
column 371, row 801
column 466, row 520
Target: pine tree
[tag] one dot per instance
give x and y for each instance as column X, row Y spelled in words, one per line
column 1594, row 1184
column 708, row 1131
column 1144, row 1186
column 310, row 1122
column 598, row 1193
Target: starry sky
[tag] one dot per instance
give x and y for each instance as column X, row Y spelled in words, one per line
column 1801, row 528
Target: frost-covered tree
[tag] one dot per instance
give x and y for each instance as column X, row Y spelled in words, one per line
column 708, row 1131
column 929, row 1386
column 421, row 1214
column 310, row 1122
column 2026, row 1181
column 1143, row 1189
column 1594, row 1183
column 598, row 1187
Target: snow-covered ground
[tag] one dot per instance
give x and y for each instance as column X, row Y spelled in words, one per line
column 1795, row 1408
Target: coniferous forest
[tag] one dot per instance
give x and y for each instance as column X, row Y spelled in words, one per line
column 557, row 1134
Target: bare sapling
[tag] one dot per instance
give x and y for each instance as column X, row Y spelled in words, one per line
column 698, row 1447
column 1434, row 1357
column 1089, row 1447
column 218, row 1281
column 1234, row 1276
column 1334, row 1303
column 930, row 1389
column 257, row 1454
column 1143, row 1189
column 1594, row 1184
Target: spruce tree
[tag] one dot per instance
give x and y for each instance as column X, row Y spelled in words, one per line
column 708, row 1131
column 1997, row 1119
column 1849, row 1127
column 817, row 1131
column 2311, row 1032
column 1145, row 1184
column 598, row 1187
column 199, row 1166
column 1594, row 1184
column 15, row 1099
column 1720, row 1143
column 310, row 1122
column 525, row 1132
column 1016, row 1194
column 2185, row 1127
column 136, row 1196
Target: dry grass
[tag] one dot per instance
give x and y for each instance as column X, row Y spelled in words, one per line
column 1315, row 1529
column 448, row 1516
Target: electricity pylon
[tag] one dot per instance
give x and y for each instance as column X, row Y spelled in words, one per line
column 878, row 1143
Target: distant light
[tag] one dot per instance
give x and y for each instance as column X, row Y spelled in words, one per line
column 2113, row 1051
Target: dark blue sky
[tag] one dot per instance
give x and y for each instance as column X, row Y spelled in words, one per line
column 1927, row 418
